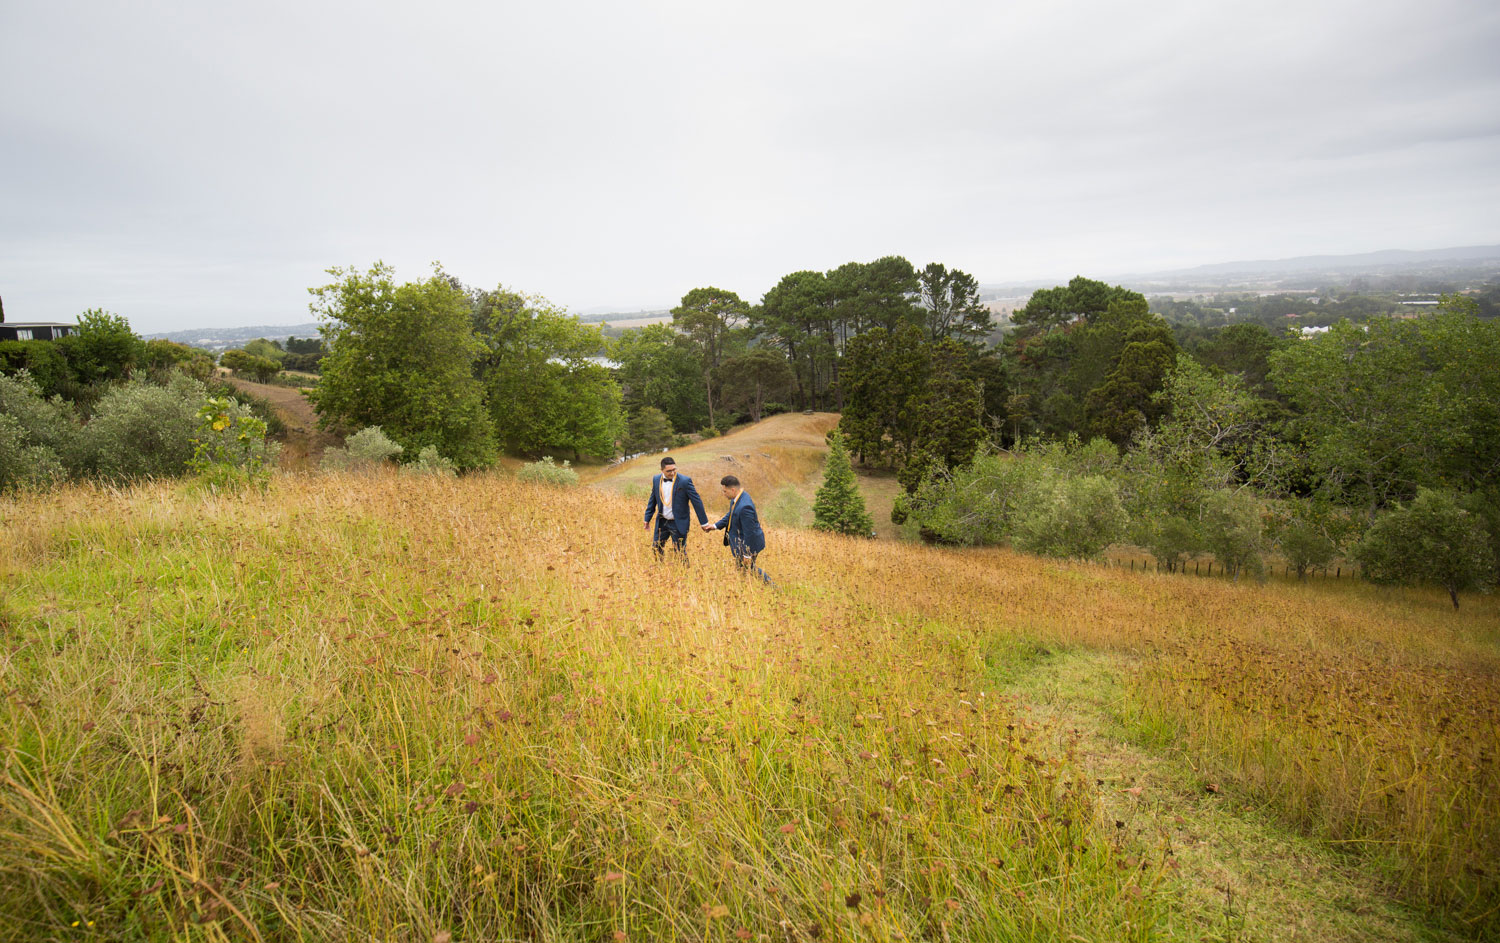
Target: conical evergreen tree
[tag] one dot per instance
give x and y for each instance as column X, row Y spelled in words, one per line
column 839, row 506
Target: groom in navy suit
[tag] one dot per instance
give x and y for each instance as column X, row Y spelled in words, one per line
column 741, row 526
column 671, row 494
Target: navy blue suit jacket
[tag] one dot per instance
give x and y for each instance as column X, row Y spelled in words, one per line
column 743, row 533
column 682, row 493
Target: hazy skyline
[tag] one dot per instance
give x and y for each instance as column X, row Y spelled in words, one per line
column 193, row 165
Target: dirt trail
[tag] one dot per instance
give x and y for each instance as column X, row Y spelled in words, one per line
column 1241, row 875
column 304, row 443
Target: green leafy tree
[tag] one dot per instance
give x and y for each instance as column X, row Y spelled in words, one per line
column 951, row 411
column 709, row 318
column 838, row 505
column 1075, row 517
column 246, row 364
column 35, row 434
column 545, row 387
column 754, row 377
column 884, row 377
column 1232, row 530
column 403, row 357
column 863, row 296
column 1050, row 309
column 950, row 302
column 42, row 360
column 230, row 449
column 141, row 430
column 657, row 369
column 649, row 430
column 269, row 349
column 796, row 317
column 101, row 347
column 1391, row 406
column 1433, row 539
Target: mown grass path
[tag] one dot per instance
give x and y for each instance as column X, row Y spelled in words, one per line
column 1239, row 874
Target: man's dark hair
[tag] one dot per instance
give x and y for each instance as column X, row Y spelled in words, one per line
column 729, row 481
column 669, row 460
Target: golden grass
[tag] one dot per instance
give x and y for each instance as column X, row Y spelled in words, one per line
column 355, row 708
column 363, row 707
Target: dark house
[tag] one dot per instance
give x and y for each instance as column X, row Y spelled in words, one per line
column 34, row 330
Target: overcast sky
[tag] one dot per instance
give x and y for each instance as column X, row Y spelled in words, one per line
column 195, row 164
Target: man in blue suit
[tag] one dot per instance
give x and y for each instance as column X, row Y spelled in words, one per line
column 671, row 494
column 741, row 526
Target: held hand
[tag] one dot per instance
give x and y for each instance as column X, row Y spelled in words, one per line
column 708, row 527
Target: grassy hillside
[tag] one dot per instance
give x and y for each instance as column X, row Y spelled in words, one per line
column 417, row 709
column 779, row 460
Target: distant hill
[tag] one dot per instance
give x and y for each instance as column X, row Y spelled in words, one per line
column 223, row 338
column 1467, row 260
column 1463, row 256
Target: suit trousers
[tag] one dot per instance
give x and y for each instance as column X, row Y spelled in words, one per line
column 664, row 532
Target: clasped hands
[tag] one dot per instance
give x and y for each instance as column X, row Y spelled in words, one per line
column 709, row 527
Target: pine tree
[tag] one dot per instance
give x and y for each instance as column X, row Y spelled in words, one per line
column 839, row 506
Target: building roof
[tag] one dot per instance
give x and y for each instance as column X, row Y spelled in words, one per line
column 37, row 324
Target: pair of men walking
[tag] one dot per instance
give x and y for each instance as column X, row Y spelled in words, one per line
column 671, row 497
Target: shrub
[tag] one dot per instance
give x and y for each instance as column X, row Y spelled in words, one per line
column 978, row 503
column 141, row 431
column 230, row 448
column 548, row 472
column 1304, row 545
column 1433, row 538
column 1169, row 538
column 1071, row 517
column 260, row 407
column 246, row 364
column 789, row 508
column 47, row 423
column 1232, row 531
column 102, row 347
column 22, row 464
column 42, row 359
column 430, row 462
column 366, row 450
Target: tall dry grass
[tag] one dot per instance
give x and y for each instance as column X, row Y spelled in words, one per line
column 364, row 708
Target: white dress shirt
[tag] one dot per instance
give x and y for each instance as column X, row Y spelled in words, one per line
column 666, row 498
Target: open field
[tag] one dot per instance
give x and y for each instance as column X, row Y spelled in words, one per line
column 355, row 708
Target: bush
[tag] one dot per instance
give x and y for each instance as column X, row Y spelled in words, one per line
column 1071, row 517
column 1433, row 538
column 141, row 431
column 22, row 464
column 260, row 407
column 366, row 450
column 230, row 449
column 1304, row 545
column 101, row 347
column 430, row 462
column 246, row 364
column 46, row 423
column 1168, row 538
column 42, row 359
column 548, row 472
column 1232, row 531
column 789, row 508
column 979, row 503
